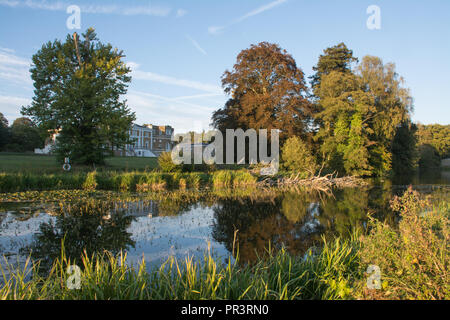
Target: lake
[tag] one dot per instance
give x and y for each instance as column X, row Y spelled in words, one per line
column 249, row 223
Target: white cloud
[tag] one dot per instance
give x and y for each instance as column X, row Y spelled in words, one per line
column 17, row 101
column 217, row 29
column 147, row 10
column 150, row 76
column 180, row 13
column 150, row 10
column 196, row 45
column 156, row 109
column 14, row 68
column 261, row 10
column 10, row 106
column 7, row 50
column 45, row 5
column 9, row 3
column 133, row 65
column 197, row 96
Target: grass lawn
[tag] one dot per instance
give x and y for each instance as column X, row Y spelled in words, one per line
column 28, row 162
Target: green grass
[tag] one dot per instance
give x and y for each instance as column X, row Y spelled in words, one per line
column 131, row 163
column 33, row 163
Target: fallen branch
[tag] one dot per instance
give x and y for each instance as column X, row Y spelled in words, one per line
column 322, row 183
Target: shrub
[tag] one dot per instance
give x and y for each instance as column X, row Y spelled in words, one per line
column 222, row 178
column 166, row 164
column 90, row 183
column 413, row 259
column 296, row 156
column 243, row 177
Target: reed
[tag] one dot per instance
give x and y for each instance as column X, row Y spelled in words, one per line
column 276, row 276
column 122, row 181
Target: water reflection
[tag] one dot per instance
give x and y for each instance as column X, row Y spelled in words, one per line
column 89, row 227
column 294, row 220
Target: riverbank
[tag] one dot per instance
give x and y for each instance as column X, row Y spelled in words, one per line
column 136, row 181
column 412, row 259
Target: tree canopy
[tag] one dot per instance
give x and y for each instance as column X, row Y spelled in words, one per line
column 358, row 115
column 435, row 135
column 21, row 136
column 267, row 91
column 78, row 87
column 4, row 132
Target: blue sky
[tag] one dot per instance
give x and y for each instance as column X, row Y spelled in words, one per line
column 179, row 49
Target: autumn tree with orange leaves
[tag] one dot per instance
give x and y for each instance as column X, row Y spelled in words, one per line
column 267, row 91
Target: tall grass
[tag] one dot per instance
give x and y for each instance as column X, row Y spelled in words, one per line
column 229, row 178
column 13, row 182
column 278, row 275
column 122, row 181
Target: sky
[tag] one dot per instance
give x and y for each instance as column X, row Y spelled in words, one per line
column 179, row 49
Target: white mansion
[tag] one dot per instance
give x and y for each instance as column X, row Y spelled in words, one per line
column 149, row 141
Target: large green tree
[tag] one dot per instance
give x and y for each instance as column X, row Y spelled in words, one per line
column 358, row 112
column 390, row 107
column 78, row 88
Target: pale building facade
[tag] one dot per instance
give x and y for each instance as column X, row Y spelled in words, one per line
column 149, row 141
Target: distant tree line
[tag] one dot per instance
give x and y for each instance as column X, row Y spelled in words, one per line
column 22, row 136
column 354, row 119
column 434, row 144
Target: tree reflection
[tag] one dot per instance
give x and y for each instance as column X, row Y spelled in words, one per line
column 90, row 227
column 294, row 220
column 262, row 223
column 344, row 212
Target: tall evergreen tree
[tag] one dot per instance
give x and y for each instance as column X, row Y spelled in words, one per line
column 337, row 58
column 78, row 88
column 404, row 149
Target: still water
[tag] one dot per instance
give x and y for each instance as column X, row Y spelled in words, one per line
column 154, row 230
